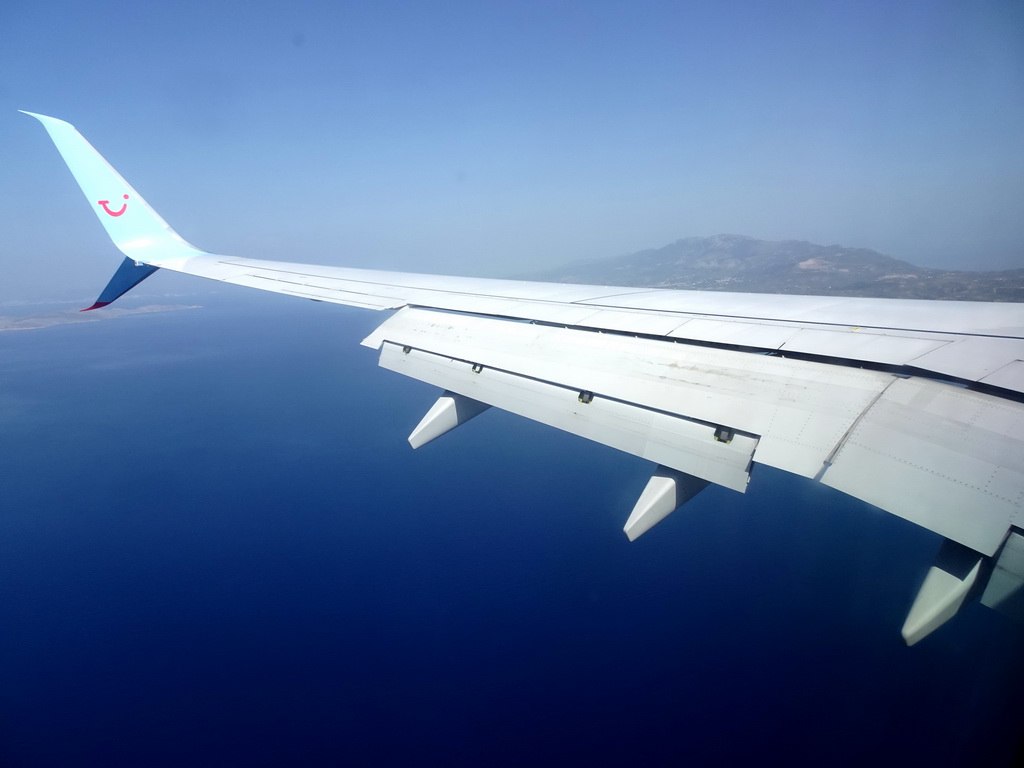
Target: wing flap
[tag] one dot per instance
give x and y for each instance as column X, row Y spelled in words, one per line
column 946, row 458
column 682, row 444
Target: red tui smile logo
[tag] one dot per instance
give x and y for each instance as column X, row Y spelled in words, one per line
column 105, row 203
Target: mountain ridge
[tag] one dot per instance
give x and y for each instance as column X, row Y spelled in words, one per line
column 739, row 263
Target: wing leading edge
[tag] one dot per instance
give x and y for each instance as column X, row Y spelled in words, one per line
column 913, row 406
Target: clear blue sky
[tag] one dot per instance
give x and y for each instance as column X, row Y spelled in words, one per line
column 489, row 138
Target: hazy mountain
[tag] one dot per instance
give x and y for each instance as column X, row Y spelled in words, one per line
column 738, row 263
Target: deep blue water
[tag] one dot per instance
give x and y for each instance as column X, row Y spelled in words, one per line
column 216, row 548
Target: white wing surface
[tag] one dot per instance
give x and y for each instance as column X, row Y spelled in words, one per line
column 913, row 406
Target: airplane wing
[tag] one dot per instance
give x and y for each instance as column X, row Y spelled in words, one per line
column 916, row 407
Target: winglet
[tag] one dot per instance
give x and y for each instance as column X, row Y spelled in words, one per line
column 136, row 229
column 133, row 226
column 128, row 275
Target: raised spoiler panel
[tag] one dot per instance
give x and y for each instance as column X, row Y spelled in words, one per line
column 680, row 443
column 946, row 458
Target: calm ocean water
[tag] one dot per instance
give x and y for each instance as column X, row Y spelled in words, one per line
column 216, row 548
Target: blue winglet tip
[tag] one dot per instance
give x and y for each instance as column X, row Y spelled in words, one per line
column 97, row 305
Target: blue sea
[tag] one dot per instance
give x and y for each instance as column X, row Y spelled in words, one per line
column 217, row 549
